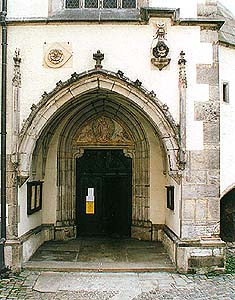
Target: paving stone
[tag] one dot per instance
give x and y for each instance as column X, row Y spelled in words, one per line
column 117, row 286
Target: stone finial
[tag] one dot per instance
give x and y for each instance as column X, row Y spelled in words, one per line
column 182, row 70
column 45, row 94
column 17, row 58
column 152, row 94
column 182, row 60
column 98, row 57
column 120, row 73
column 16, row 80
column 138, row 83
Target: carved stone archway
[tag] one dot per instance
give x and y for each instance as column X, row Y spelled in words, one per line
column 72, row 93
column 109, row 129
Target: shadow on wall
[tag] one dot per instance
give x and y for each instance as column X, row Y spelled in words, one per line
column 227, row 217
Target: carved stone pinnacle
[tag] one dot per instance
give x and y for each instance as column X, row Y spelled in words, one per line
column 98, row 57
column 182, row 60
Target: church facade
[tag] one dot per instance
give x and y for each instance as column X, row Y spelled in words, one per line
column 119, row 121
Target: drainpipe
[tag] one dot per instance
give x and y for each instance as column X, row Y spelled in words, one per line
column 3, row 136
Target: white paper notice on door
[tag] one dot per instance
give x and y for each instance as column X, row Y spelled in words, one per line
column 90, row 192
column 90, row 195
column 90, row 202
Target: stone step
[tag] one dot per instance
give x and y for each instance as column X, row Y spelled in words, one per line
column 58, row 266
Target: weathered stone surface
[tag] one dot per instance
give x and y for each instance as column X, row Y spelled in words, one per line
column 210, row 133
column 201, row 210
column 213, row 177
column 203, row 262
column 189, row 209
column 201, row 252
column 197, row 177
column 213, row 209
column 207, row 74
column 214, row 93
column 148, row 286
column 205, row 160
column 141, row 233
column 207, row 111
column 200, row 191
column 208, row 36
column 199, row 229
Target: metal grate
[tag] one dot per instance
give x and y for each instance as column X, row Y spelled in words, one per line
column 91, row 3
column 72, row 4
column 128, row 3
column 109, row 3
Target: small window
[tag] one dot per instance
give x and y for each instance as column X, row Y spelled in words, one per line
column 170, row 197
column 225, row 92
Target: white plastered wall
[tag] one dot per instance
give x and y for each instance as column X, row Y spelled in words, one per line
column 50, row 183
column 131, row 57
column 188, row 8
column 27, row 222
column 27, row 8
column 227, row 139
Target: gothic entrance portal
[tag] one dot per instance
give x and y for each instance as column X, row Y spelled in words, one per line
column 104, row 193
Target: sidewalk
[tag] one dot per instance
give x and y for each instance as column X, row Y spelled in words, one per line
column 116, row 286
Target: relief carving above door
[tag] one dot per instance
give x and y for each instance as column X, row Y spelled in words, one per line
column 103, row 130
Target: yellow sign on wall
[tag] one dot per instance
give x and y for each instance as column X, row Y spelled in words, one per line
column 90, row 207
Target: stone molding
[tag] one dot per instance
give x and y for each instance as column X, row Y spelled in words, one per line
column 138, row 16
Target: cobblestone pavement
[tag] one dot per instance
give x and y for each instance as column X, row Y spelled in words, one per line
column 116, row 286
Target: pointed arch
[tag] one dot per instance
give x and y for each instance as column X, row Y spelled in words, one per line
column 74, row 93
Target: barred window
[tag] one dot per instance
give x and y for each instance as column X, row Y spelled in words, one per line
column 128, row 3
column 91, row 3
column 109, row 3
column 72, row 3
column 100, row 3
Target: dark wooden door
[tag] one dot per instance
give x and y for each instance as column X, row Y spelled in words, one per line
column 107, row 175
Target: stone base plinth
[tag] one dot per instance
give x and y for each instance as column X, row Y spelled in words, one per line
column 20, row 250
column 141, row 232
column 65, row 232
column 202, row 256
column 195, row 256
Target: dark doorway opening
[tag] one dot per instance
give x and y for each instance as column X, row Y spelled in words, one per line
column 104, row 190
column 227, row 217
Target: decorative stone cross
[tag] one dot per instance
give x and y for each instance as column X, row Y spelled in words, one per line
column 98, row 57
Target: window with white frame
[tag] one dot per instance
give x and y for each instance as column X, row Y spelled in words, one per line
column 225, row 91
column 100, row 3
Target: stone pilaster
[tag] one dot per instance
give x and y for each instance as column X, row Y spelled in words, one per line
column 200, row 211
column 12, row 158
column 200, row 248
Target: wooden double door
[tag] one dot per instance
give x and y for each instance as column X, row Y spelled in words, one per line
column 104, row 193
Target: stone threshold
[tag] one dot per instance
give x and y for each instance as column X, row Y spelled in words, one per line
column 98, row 267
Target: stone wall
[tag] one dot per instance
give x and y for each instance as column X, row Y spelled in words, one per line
column 201, row 181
